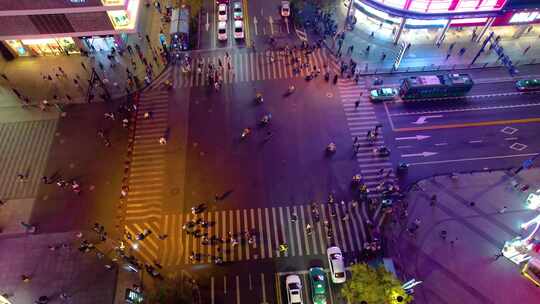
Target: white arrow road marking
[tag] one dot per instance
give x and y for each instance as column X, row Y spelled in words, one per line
column 423, row 119
column 417, row 137
column 424, row 154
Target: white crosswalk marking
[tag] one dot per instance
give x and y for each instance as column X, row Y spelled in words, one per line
column 245, row 67
column 360, row 119
column 272, row 226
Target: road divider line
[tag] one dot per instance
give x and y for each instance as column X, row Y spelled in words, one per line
column 475, row 141
column 441, row 144
column 471, row 124
column 511, row 138
column 471, row 159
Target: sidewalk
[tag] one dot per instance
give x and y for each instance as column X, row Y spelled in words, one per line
column 82, row 276
column 423, row 53
column 453, row 250
column 29, row 75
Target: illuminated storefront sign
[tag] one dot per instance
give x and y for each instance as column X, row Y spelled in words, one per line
column 524, row 17
column 125, row 19
column 444, row 6
column 43, row 47
column 113, row 2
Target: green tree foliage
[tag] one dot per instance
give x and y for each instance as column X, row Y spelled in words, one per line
column 374, row 286
column 166, row 295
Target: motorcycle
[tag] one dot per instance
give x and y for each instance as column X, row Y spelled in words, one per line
column 265, row 119
column 245, row 133
column 331, row 148
column 291, row 90
column 259, row 98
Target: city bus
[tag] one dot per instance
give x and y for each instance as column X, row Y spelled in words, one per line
column 435, row 86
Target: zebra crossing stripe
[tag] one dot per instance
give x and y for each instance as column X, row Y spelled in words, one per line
column 268, row 237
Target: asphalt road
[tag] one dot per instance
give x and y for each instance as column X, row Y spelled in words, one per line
column 493, row 127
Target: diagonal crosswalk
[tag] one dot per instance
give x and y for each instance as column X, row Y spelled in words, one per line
column 361, row 119
column 147, row 175
column 269, row 227
column 24, row 149
column 246, row 66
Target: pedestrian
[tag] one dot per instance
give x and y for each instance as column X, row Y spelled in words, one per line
column 335, row 79
column 2, row 203
column 443, row 234
column 84, row 66
column 4, row 76
column 498, row 255
column 294, row 217
column 356, row 139
column 433, row 200
column 447, row 56
column 503, row 210
column 526, row 50
column 25, row 278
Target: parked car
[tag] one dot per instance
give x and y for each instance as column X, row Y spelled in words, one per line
column 294, row 289
column 238, row 29
column 238, row 13
column 222, row 30
column 317, row 278
column 285, row 8
column 222, row 12
column 337, row 266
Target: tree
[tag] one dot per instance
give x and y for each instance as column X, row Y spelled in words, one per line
column 374, row 286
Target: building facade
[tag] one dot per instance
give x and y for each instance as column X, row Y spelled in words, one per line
column 445, row 14
column 63, row 27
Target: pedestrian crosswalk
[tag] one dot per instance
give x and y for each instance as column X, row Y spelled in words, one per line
column 245, row 66
column 361, row 118
column 24, row 150
column 268, row 228
column 147, row 175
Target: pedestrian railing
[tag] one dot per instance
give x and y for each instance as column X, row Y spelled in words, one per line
column 447, row 67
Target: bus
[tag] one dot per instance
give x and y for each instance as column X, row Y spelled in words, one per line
column 180, row 29
column 434, row 86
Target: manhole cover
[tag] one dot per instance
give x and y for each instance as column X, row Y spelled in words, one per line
column 509, row 130
column 518, row 147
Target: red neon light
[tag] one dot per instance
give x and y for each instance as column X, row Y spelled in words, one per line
column 453, row 5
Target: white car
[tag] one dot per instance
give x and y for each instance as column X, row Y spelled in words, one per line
column 337, row 266
column 222, row 30
column 222, row 12
column 285, row 8
column 294, row 289
column 238, row 29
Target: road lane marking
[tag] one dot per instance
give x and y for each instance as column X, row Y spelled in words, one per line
column 518, row 147
column 471, row 159
column 441, row 144
column 404, row 147
column 388, row 116
column 212, row 299
column 471, row 124
column 424, row 154
column 237, row 290
column 269, row 235
column 511, row 138
column 525, row 105
column 250, row 283
column 423, row 119
column 475, row 141
column 225, row 284
column 263, row 285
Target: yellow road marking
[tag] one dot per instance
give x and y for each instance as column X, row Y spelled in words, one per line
column 470, row 124
column 247, row 33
